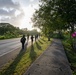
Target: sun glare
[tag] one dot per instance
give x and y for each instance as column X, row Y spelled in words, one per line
column 26, row 22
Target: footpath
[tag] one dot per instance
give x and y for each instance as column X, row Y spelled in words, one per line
column 52, row 62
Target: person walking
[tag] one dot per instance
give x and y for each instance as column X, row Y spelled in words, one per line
column 35, row 37
column 27, row 38
column 32, row 39
column 23, row 39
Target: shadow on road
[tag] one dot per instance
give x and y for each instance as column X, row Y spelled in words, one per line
column 40, row 41
column 38, row 46
column 10, row 70
column 43, row 40
column 32, row 53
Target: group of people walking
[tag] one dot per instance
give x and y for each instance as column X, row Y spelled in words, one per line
column 23, row 40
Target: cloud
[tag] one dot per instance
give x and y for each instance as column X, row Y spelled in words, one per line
column 26, row 23
column 16, row 21
column 11, row 12
column 31, row 0
column 8, row 7
column 17, row 12
column 5, row 19
column 7, row 13
column 9, row 4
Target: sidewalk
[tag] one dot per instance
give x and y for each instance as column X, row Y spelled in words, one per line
column 52, row 62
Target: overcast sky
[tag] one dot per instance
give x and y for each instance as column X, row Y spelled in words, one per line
column 18, row 12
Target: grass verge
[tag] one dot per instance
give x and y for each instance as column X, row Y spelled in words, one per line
column 25, row 58
column 71, row 55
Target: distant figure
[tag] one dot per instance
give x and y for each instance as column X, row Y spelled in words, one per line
column 35, row 37
column 23, row 39
column 27, row 38
column 32, row 38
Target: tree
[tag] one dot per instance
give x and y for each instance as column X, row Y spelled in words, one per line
column 50, row 9
column 47, row 19
column 56, row 15
column 67, row 11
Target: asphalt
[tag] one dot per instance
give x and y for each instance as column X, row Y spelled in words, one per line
column 11, row 54
column 52, row 62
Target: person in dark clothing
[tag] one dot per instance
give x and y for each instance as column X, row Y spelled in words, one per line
column 35, row 37
column 23, row 39
column 27, row 38
column 32, row 38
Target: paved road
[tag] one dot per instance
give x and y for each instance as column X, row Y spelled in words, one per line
column 9, row 45
column 9, row 49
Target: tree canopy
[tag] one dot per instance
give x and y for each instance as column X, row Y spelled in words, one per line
column 55, row 15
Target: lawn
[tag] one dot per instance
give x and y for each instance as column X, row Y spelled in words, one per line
column 25, row 58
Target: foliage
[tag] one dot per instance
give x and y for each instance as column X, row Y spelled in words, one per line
column 33, row 32
column 2, row 37
column 67, row 10
column 71, row 54
column 55, row 15
column 9, row 31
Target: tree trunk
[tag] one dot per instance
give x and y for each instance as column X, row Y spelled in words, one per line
column 60, row 34
column 72, row 29
column 48, row 38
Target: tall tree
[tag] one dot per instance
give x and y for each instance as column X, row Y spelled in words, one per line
column 67, row 11
column 52, row 10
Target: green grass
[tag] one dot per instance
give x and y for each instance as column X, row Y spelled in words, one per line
column 25, row 58
column 71, row 54
column 2, row 37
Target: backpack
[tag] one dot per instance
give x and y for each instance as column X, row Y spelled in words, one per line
column 23, row 40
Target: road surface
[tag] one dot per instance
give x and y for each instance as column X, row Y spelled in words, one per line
column 8, row 45
column 9, row 49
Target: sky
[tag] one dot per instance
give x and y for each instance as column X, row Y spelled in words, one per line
column 18, row 12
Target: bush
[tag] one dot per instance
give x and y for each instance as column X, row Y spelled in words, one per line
column 2, row 37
